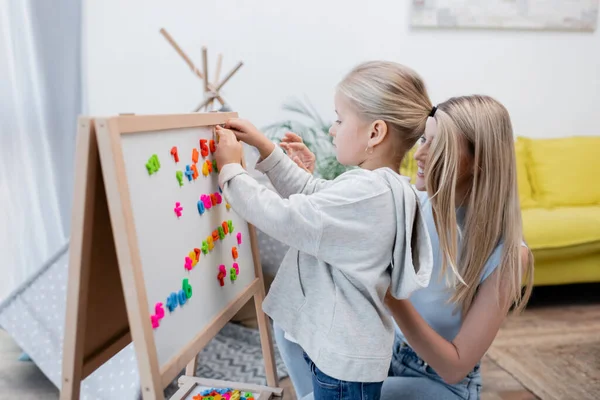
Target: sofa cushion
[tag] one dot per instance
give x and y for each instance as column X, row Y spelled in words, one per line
column 564, row 171
column 560, row 227
column 522, row 158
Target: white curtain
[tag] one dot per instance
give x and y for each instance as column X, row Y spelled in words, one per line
column 40, row 98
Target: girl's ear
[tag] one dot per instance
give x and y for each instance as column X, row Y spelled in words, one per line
column 379, row 131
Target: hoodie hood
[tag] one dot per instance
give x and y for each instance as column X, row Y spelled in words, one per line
column 412, row 259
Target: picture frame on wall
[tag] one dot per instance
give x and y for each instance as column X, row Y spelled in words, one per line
column 557, row 15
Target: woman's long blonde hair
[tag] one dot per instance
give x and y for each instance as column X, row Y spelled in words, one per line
column 493, row 214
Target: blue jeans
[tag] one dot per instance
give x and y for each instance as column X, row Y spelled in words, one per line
column 328, row 388
column 410, row 378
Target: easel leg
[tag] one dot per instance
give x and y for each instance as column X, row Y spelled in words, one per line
column 266, row 340
column 190, row 369
column 79, row 261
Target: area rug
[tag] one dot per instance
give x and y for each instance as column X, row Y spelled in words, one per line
column 235, row 355
column 554, row 354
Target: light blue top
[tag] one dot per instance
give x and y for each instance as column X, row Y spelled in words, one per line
column 432, row 302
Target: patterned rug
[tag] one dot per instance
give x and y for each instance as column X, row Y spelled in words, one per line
column 235, row 355
column 555, row 355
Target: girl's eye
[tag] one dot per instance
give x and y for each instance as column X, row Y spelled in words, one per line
column 338, row 122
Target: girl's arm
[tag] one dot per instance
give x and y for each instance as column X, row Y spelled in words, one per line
column 286, row 176
column 454, row 360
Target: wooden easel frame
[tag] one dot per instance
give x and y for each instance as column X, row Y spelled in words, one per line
column 98, row 274
column 187, row 384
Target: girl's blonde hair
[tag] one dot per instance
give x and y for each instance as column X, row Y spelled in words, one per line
column 493, row 213
column 393, row 93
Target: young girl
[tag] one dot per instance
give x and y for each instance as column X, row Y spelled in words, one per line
column 467, row 165
column 351, row 238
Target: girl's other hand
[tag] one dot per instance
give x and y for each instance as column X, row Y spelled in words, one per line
column 229, row 150
column 298, row 151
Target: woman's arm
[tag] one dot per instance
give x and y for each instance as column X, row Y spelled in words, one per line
column 454, row 360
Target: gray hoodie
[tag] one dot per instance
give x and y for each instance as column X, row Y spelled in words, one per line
column 350, row 240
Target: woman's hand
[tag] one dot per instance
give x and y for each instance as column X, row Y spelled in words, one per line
column 298, row 151
column 229, row 150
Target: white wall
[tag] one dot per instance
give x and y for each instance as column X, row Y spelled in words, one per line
column 549, row 81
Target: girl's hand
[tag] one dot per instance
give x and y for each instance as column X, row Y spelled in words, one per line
column 298, row 151
column 229, row 150
column 247, row 133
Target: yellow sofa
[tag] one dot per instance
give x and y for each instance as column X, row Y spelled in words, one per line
column 559, row 190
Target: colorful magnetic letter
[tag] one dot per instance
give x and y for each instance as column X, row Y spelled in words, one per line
column 187, row 288
column 204, row 147
column 205, row 247
column 195, row 171
column 234, row 252
column 154, row 320
column 179, row 176
column 221, row 275
column 201, row 208
column 230, row 224
column 211, row 243
column 232, row 275
column 221, row 232
column 205, row 169
column 213, row 148
column 215, row 235
column 225, row 227
column 174, row 154
column 207, row 201
column 195, row 156
column 189, row 173
column 172, row 302
column 188, row 264
column 153, row 164
column 237, row 268
column 192, row 255
column 197, row 251
column 219, row 198
column 215, row 166
column 159, row 311
column 181, row 297
column 213, row 199
column 228, row 206
column 178, row 209
column 239, row 237
column 209, row 166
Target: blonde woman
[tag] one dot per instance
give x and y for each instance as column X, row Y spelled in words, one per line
column 467, row 172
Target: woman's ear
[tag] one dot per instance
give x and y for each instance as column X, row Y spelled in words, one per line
column 379, row 131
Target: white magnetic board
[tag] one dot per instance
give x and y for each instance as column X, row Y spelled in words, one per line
column 166, row 239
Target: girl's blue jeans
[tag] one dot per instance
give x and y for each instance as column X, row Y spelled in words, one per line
column 409, row 377
column 328, row 388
